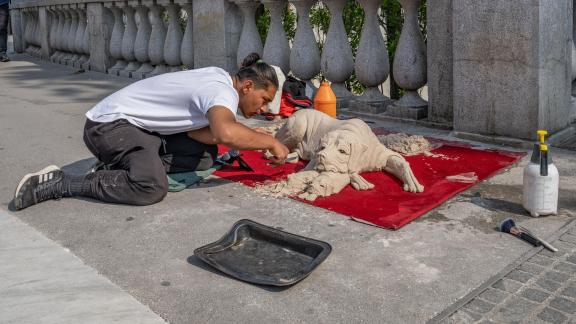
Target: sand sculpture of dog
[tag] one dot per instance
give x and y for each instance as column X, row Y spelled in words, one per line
column 338, row 151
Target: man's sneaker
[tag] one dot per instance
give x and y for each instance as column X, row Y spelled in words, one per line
column 37, row 187
column 4, row 58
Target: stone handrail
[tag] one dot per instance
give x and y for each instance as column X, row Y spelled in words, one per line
column 143, row 38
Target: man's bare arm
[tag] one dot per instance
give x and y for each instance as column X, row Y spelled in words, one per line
column 203, row 135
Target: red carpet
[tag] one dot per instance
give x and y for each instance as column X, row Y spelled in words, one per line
column 387, row 205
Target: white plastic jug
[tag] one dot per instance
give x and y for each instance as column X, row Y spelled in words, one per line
column 540, row 195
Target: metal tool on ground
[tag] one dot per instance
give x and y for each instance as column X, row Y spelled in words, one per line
column 509, row 226
column 232, row 156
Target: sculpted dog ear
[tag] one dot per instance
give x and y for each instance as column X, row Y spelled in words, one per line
column 356, row 156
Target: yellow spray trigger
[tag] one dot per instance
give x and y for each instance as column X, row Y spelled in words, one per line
column 544, row 148
column 541, row 134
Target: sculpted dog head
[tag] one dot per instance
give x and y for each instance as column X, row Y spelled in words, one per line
column 340, row 152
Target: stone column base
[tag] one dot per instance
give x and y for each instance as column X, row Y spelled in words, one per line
column 371, row 107
column 407, row 112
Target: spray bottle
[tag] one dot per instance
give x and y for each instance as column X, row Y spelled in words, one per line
column 540, row 195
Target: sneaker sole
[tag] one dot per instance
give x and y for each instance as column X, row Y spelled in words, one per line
column 47, row 169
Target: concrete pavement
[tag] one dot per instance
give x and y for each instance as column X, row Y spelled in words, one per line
column 372, row 275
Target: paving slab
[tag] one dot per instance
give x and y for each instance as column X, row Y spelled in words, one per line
column 530, row 302
column 41, row 282
column 372, row 276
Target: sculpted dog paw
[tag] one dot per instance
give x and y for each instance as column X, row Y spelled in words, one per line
column 359, row 183
column 308, row 196
column 398, row 166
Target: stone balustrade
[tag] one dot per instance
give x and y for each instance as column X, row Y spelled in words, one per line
column 143, row 38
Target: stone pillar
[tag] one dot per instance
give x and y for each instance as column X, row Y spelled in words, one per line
column 512, row 66
column 173, row 43
column 276, row 48
column 305, row 55
column 250, row 41
column 410, row 66
column 45, row 23
column 100, row 23
column 440, row 61
column 337, row 63
column 187, row 48
column 17, row 30
column 216, row 33
column 143, row 41
column 372, row 62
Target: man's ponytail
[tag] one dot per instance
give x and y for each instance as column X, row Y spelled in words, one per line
column 262, row 74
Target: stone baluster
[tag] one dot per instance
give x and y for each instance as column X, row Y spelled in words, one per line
column 58, row 35
column 33, row 28
column 54, row 21
column 337, row 62
column 574, row 51
column 116, row 39
column 65, row 30
column 79, row 42
column 173, row 42
column 372, row 65
column 305, row 55
column 71, row 36
column 157, row 39
column 86, row 44
column 27, row 20
column 250, row 41
column 409, row 65
column 30, row 22
column 36, row 34
column 65, row 34
column 276, row 48
column 187, row 49
column 129, row 39
column 142, row 41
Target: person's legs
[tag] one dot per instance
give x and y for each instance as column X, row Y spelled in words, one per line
column 4, row 14
column 138, row 176
column 180, row 153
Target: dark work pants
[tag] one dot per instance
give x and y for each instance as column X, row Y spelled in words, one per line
column 4, row 14
column 139, row 160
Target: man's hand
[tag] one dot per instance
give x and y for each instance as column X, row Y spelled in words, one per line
column 224, row 129
column 279, row 153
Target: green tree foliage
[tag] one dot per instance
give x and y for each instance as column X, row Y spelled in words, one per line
column 390, row 20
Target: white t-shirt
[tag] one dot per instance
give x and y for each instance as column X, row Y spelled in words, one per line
column 169, row 103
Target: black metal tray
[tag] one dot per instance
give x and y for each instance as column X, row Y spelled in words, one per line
column 264, row 255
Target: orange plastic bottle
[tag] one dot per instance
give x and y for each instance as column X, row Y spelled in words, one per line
column 325, row 100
